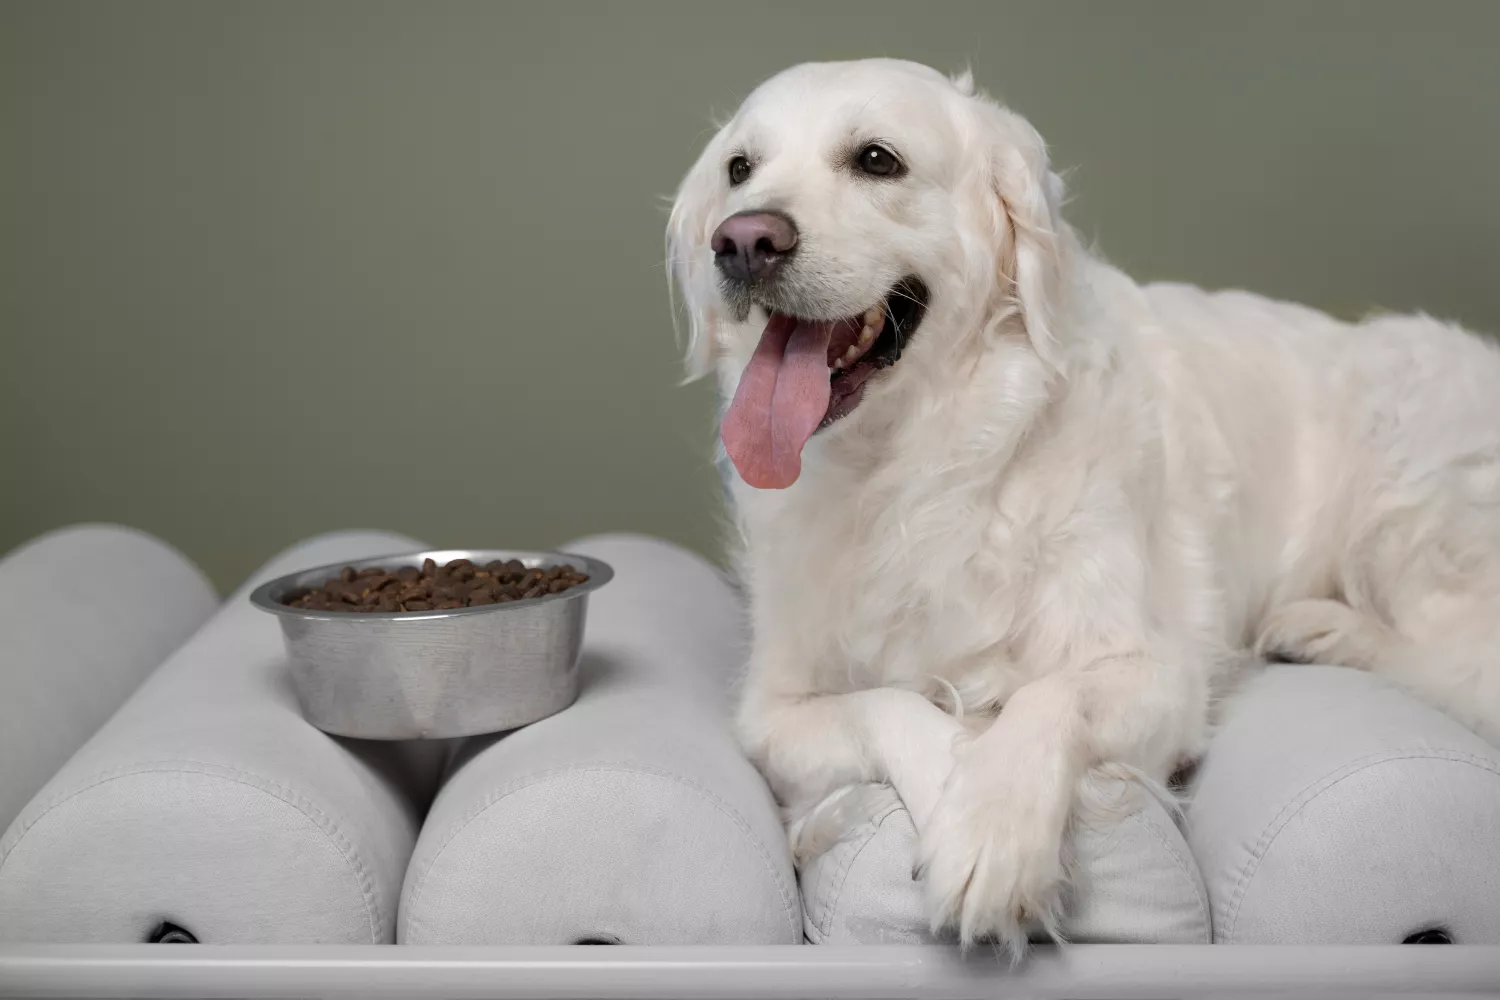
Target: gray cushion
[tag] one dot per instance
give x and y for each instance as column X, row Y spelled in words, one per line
column 630, row 817
column 1134, row 880
column 208, row 801
column 76, row 644
column 1334, row 809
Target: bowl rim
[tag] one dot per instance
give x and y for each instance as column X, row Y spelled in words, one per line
column 267, row 595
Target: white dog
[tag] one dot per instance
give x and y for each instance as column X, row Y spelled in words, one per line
column 1011, row 520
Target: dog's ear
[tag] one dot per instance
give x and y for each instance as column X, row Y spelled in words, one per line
column 690, row 273
column 1036, row 249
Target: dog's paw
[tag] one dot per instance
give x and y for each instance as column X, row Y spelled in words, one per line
column 991, row 856
column 1323, row 632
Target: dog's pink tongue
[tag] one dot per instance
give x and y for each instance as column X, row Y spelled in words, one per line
column 781, row 400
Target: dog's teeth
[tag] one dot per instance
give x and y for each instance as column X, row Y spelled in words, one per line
column 849, row 355
column 873, row 315
column 866, row 336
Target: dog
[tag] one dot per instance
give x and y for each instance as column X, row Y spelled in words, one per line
column 1009, row 521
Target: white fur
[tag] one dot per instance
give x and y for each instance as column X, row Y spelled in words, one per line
column 1079, row 499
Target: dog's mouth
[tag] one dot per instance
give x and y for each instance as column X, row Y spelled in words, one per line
column 883, row 330
column 808, row 374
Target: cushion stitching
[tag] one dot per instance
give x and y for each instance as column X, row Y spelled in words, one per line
column 321, row 820
column 816, row 891
column 825, row 885
column 1317, row 788
column 831, row 886
column 849, row 846
column 841, row 874
column 1196, row 885
column 608, row 767
column 811, row 932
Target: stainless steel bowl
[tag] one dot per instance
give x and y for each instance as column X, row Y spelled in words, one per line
column 435, row 674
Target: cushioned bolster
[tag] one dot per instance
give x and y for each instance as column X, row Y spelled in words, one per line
column 632, row 816
column 85, row 614
column 1134, row 881
column 1333, row 808
column 209, row 802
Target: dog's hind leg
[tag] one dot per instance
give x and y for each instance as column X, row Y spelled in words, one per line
column 1424, row 611
column 1325, row 632
column 1454, row 666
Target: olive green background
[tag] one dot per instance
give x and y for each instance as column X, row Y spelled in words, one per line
column 270, row 269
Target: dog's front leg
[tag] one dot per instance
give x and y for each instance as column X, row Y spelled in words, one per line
column 811, row 746
column 992, row 853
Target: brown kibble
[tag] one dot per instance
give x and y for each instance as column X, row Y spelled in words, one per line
column 456, row 584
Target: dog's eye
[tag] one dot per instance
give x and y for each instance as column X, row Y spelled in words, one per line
column 739, row 171
column 877, row 160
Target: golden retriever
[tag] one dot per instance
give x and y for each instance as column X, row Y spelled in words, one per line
column 1009, row 519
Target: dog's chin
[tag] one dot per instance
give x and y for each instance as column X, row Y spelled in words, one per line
column 860, row 346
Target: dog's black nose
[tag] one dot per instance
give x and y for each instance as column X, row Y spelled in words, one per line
column 748, row 246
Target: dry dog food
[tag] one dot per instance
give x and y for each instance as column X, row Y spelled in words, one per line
column 459, row 584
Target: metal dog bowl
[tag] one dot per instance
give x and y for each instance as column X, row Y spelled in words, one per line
column 435, row 674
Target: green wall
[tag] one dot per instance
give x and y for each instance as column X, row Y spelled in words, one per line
column 270, row 269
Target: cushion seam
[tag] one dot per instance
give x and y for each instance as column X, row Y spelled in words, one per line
column 1196, row 885
column 310, row 811
column 841, row 874
column 1314, row 790
column 607, row 767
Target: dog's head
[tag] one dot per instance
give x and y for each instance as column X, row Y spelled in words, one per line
column 853, row 225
